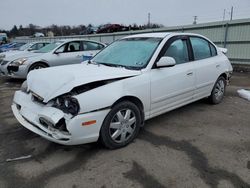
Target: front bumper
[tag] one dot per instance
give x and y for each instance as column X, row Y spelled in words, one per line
column 3, row 69
column 29, row 112
column 13, row 72
column 229, row 75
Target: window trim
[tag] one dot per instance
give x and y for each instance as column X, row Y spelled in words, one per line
column 99, row 44
column 209, row 45
column 168, row 43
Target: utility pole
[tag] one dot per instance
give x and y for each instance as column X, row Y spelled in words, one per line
column 231, row 13
column 195, row 20
column 149, row 19
column 224, row 14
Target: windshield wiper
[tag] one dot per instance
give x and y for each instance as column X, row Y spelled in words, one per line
column 114, row 65
column 108, row 64
column 132, row 68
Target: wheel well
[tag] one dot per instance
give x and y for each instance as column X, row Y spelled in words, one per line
column 224, row 75
column 137, row 102
column 40, row 62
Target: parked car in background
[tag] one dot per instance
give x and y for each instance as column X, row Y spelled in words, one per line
column 5, row 46
column 39, row 35
column 29, row 47
column 131, row 80
column 89, row 30
column 57, row 53
column 3, row 38
column 110, row 28
column 11, row 46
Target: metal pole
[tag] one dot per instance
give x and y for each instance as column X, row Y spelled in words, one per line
column 226, row 33
column 231, row 15
column 224, row 13
column 149, row 19
column 195, row 20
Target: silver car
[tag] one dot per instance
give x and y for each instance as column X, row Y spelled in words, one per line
column 29, row 47
column 57, row 53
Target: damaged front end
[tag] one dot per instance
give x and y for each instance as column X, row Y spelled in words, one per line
column 40, row 118
column 60, row 120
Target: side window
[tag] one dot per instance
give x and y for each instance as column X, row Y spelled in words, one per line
column 92, row 46
column 33, row 47
column 213, row 50
column 179, row 51
column 73, row 46
column 69, row 47
column 201, row 48
column 40, row 45
column 61, row 49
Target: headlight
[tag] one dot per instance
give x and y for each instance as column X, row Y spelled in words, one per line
column 24, row 87
column 67, row 104
column 2, row 56
column 18, row 62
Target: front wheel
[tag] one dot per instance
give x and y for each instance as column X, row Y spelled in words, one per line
column 121, row 125
column 218, row 91
column 37, row 66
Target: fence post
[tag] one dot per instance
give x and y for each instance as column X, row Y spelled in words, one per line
column 226, row 33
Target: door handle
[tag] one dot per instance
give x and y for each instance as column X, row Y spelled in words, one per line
column 190, row 73
column 79, row 56
column 217, row 66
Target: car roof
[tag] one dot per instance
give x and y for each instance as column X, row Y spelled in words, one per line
column 35, row 42
column 161, row 35
column 78, row 39
column 153, row 35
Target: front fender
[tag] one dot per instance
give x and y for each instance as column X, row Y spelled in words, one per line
column 105, row 96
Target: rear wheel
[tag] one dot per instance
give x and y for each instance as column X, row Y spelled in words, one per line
column 121, row 125
column 37, row 66
column 218, row 91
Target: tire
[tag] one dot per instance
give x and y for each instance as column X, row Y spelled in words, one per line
column 37, row 66
column 218, row 91
column 121, row 125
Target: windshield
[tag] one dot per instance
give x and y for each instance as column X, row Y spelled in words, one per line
column 18, row 45
column 132, row 53
column 24, row 47
column 49, row 47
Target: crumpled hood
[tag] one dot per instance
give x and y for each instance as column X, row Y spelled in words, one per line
column 21, row 54
column 51, row 82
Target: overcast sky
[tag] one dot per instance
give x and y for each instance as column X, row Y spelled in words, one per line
column 76, row 12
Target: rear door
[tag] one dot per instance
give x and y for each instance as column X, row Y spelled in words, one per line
column 207, row 65
column 173, row 86
column 90, row 49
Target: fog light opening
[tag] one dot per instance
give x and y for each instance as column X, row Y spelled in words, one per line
column 61, row 125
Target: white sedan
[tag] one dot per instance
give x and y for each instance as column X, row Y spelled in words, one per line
column 57, row 53
column 132, row 80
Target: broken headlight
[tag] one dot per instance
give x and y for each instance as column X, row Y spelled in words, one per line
column 67, row 104
column 24, row 87
column 2, row 56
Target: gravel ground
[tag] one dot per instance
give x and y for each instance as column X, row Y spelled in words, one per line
column 199, row 145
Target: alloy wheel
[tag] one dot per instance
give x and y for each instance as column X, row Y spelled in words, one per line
column 122, row 125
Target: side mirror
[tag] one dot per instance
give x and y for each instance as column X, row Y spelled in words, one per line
column 30, row 49
column 166, row 61
column 58, row 51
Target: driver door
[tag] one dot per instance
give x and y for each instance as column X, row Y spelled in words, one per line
column 69, row 53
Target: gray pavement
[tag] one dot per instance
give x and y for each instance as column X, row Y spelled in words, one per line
column 199, row 145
